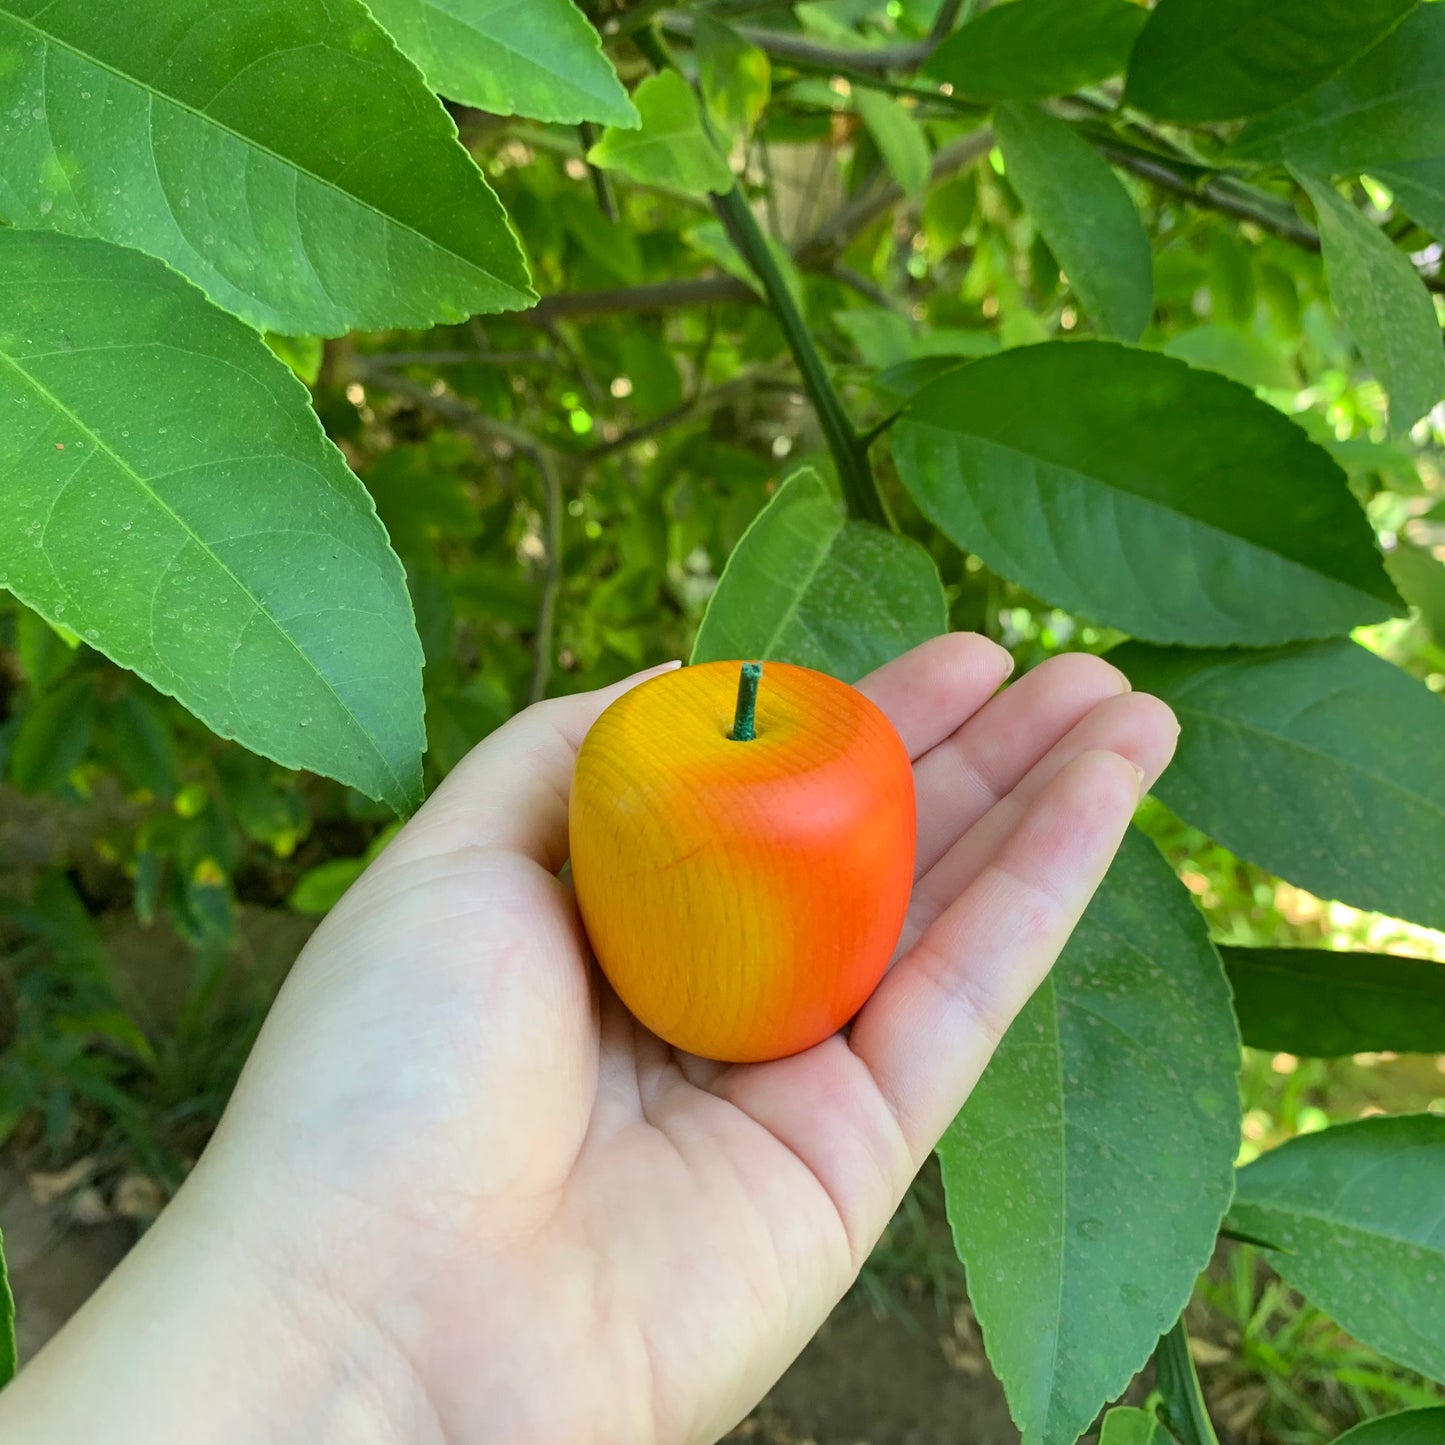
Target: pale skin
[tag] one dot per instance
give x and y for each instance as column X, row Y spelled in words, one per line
column 459, row 1196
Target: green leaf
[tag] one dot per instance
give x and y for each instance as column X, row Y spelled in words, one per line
column 7, row 1321
column 736, row 77
column 1421, row 580
column 283, row 154
column 1384, row 304
column 1355, row 1212
column 671, row 149
column 899, row 138
column 712, row 240
column 1089, row 220
column 1322, row 1004
column 807, row 585
column 1405, row 1427
column 319, row 889
column 1033, row 49
column 1124, row 485
column 1388, row 106
column 171, row 496
column 1240, row 355
column 1089, row 1170
column 1321, row 763
column 541, row 59
column 1419, row 186
column 53, row 737
column 1205, row 60
column 303, row 354
column 1127, row 1426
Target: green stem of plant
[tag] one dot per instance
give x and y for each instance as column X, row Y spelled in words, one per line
column 745, row 718
column 855, row 475
column 850, row 456
column 1178, row 1382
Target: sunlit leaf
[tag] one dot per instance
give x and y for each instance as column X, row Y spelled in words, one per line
column 1124, row 485
column 1089, row 1169
column 1089, row 220
column 671, row 149
column 809, row 586
column 1355, row 1215
column 540, row 59
column 282, row 154
column 1384, row 304
column 1322, row 763
column 170, row 495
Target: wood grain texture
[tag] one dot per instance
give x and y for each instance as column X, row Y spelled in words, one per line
column 743, row 898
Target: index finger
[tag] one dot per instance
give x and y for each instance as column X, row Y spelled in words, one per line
column 510, row 792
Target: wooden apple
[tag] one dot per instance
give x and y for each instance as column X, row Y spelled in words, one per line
column 743, row 873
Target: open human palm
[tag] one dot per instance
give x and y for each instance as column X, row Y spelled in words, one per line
column 514, row 1215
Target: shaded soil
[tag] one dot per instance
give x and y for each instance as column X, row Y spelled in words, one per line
column 868, row 1378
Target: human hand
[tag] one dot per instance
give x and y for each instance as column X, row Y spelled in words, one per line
column 473, row 1201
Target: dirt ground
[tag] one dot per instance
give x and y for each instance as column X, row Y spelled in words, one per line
column 868, row 1378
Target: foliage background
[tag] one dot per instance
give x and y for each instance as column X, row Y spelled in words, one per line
column 564, row 486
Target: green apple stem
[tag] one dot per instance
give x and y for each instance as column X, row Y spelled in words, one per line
column 744, row 729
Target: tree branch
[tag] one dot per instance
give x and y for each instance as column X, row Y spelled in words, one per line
column 835, row 235
column 1237, row 201
column 781, row 45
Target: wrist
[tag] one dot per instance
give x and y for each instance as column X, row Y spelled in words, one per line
column 203, row 1334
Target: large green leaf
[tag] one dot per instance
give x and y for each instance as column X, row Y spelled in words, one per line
column 1323, row 1004
column 1033, row 49
column 807, row 585
column 1405, row 1427
column 170, row 496
column 1168, row 502
column 541, row 59
column 1089, row 1170
column 899, row 138
column 1384, row 304
column 1087, row 217
column 1322, row 763
column 1203, row 60
column 672, row 149
column 1388, row 106
column 1356, row 1215
column 283, row 154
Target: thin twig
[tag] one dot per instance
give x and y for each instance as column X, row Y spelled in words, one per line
column 1238, row 201
column 817, row 253
column 699, row 405
column 601, row 182
column 834, row 236
column 461, row 358
column 782, row 45
column 857, row 281
column 543, row 638
column 462, row 414
column 652, row 296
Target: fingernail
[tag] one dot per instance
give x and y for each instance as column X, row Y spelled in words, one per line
column 1139, row 776
column 1009, row 662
